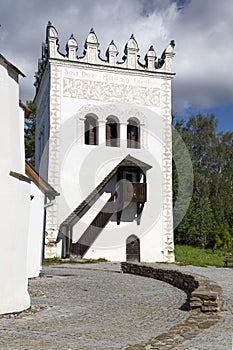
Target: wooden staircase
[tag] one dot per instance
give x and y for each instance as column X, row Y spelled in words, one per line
column 80, row 248
column 125, row 192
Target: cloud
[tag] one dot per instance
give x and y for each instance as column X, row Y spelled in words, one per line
column 204, row 55
column 201, row 29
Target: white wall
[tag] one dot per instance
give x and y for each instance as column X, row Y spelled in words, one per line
column 14, row 205
column 76, row 169
column 36, row 227
column 83, row 167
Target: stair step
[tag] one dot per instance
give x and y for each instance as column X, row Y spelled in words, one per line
column 91, row 233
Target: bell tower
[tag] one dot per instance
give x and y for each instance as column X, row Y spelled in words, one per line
column 104, row 142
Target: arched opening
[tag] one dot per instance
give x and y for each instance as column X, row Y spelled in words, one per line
column 133, row 248
column 133, row 133
column 91, row 131
column 112, row 132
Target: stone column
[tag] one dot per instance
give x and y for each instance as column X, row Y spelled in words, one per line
column 123, row 135
column 102, row 132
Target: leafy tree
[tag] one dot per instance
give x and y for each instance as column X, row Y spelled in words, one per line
column 211, row 206
column 29, row 133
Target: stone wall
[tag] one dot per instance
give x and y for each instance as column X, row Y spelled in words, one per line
column 203, row 294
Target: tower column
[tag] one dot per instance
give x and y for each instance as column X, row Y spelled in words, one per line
column 123, row 135
column 102, row 132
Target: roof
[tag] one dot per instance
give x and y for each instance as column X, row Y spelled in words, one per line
column 26, row 110
column 128, row 161
column 9, row 64
column 44, row 186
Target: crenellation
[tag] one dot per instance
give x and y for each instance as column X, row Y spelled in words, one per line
column 53, row 42
column 91, row 49
column 131, row 57
column 91, row 54
column 112, row 53
column 150, row 59
column 71, row 48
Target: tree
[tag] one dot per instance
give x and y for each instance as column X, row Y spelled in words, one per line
column 29, row 133
column 211, row 205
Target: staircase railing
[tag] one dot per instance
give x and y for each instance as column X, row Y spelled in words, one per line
column 91, row 233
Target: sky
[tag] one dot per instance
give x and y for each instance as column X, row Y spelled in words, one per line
column 202, row 30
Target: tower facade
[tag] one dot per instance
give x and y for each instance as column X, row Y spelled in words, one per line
column 103, row 141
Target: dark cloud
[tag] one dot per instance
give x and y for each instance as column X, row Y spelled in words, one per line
column 201, row 29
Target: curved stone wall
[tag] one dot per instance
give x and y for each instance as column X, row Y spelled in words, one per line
column 203, row 294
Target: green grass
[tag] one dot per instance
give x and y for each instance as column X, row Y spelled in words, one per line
column 55, row 260
column 186, row 255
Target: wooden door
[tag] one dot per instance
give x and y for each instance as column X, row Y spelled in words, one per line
column 133, row 249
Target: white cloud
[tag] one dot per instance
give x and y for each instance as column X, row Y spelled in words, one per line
column 201, row 29
column 204, row 54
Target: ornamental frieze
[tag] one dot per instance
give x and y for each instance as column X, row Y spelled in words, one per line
column 110, row 92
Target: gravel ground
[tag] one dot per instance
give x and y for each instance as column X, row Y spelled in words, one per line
column 94, row 306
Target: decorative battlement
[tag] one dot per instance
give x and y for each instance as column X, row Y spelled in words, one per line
column 91, row 54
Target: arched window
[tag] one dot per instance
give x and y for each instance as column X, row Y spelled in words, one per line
column 112, row 132
column 91, row 131
column 133, row 133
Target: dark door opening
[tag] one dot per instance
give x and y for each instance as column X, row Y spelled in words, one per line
column 133, row 249
column 129, row 177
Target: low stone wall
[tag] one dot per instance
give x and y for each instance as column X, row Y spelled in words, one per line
column 203, row 294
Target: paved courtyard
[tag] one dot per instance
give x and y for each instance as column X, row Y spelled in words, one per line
column 95, row 306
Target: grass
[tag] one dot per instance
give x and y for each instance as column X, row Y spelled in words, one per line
column 56, row 260
column 187, row 255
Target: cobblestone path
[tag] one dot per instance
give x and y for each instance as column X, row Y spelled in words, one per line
column 95, row 307
column 92, row 307
column 219, row 336
column 200, row 331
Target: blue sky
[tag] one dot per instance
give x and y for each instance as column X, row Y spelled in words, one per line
column 224, row 115
column 201, row 29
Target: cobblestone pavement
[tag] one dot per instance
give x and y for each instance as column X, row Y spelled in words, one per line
column 220, row 335
column 93, row 306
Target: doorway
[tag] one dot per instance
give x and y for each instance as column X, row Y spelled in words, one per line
column 133, row 249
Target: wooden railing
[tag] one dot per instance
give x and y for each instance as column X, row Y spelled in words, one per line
column 134, row 192
column 127, row 191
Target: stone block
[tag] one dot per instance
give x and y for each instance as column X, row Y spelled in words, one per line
column 195, row 303
column 211, row 303
column 205, row 294
column 209, row 309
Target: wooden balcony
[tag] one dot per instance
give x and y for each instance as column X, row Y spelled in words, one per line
column 135, row 192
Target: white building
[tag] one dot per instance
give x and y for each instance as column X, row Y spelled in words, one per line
column 42, row 195
column 15, row 192
column 103, row 140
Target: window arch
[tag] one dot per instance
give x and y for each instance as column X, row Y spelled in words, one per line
column 133, row 133
column 112, row 132
column 91, row 130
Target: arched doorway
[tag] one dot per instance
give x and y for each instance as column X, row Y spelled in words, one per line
column 133, row 248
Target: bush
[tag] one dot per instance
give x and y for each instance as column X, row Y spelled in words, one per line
column 220, row 238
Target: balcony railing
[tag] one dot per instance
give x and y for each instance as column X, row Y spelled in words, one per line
column 135, row 192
